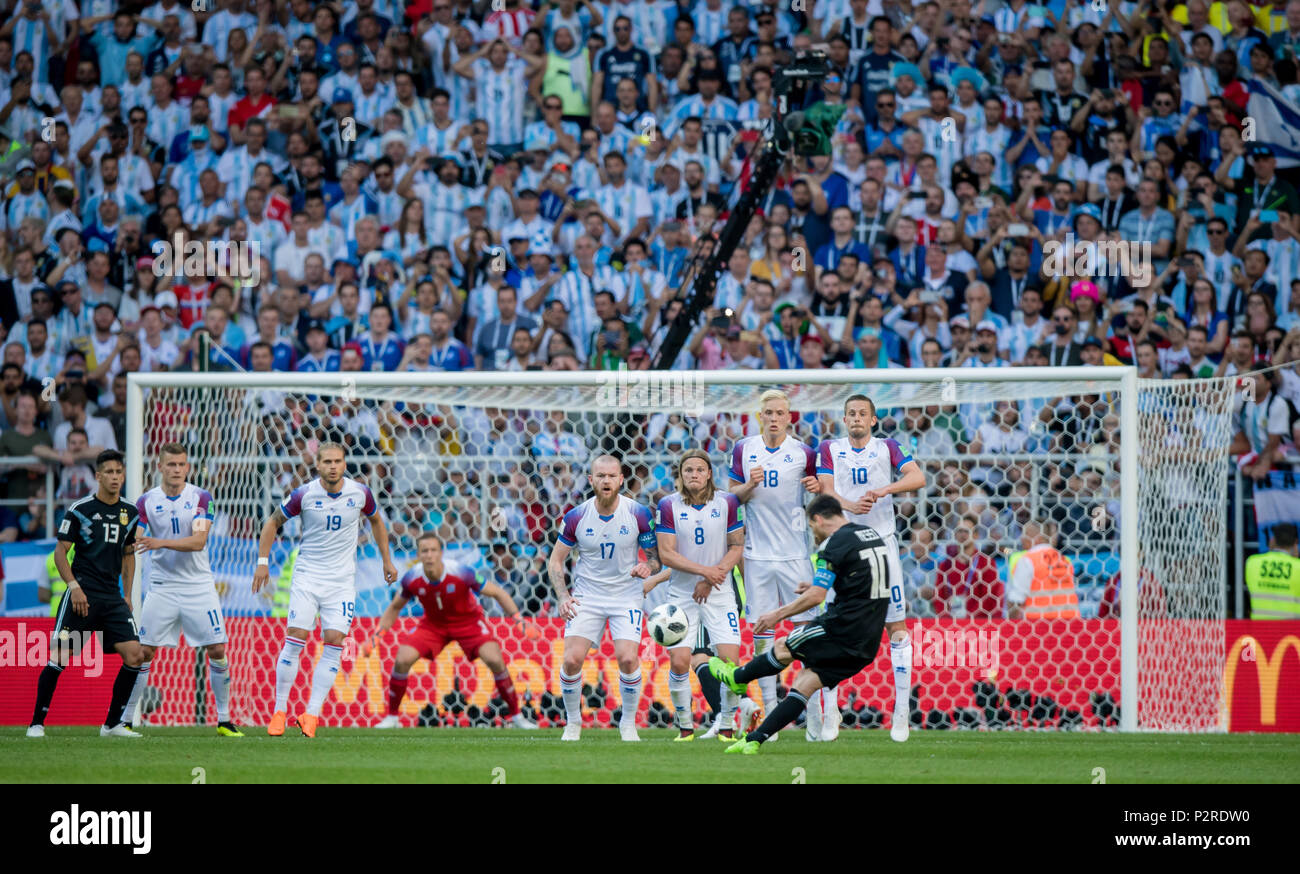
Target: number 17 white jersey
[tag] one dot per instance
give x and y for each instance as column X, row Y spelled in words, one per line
column 774, row 518
column 606, row 547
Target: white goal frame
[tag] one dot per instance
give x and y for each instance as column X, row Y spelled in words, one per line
column 1120, row 379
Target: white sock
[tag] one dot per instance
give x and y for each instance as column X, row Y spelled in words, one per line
column 830, row 702
column 571, row 691
column 629, row 691
column 900, row 654
column 730, row 701
column 766, row 685
column 286, row 671
column 141, row 680
column 219, row 680
column 322, row 680
column 679, row 690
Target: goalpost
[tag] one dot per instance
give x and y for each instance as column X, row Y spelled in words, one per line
column 1131, row 473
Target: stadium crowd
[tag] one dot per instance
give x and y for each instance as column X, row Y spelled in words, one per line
column 508, row 185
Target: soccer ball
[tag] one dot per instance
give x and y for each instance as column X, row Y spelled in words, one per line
column 667, row 625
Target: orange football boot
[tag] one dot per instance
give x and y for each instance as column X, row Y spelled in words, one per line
column 307, row 723
column 276, row 728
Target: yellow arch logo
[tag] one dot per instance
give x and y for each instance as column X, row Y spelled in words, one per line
column 1267, row 668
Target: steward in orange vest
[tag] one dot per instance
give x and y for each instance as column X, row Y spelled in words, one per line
column 1042, row 582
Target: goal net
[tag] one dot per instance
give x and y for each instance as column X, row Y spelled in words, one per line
column 1130, row 478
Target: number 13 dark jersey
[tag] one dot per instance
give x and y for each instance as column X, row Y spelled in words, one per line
column 102, row 534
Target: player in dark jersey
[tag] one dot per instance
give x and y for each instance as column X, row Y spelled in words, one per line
column 102, row 527
column 449, row 593
column 834, row 646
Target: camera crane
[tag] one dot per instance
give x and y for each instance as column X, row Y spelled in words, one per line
column 787, row 131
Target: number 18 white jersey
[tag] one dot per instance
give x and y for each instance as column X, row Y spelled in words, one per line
column 606, row 547
column 701, row 531
column 857, row 471
column 329, row 529
column 171, row 518
column 774, row 518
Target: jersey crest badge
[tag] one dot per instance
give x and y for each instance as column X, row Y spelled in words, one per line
column 351, row 502
column 715, row 514
column 188, row 505
column 622, row 529
column 122, row 517
column 788, row 458
column 451, row 587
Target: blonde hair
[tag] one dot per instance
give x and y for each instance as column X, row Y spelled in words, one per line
column 773, row 394
column 709, row 487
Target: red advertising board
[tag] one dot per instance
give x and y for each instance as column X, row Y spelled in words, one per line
column 1066, row 661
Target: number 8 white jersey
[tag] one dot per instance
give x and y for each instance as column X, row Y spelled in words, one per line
column 701, row 531
column 857, row 471
column 774, row 519
column 606, row 547
column 329, row 528
column 173, row 519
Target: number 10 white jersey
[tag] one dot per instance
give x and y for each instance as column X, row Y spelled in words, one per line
column 606, row 547
column 857, row 471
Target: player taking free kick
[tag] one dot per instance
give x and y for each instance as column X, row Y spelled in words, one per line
column 837, row 644
column 606, row 529
column 449, row 593
column 324, row 577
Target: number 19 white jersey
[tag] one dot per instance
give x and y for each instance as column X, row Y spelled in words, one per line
column 857, row 471
column 171, row 518
column 606, row 547
column 329, row 529
column 774, row 518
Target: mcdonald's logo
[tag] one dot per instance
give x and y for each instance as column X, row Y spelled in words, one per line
column 1268, row 670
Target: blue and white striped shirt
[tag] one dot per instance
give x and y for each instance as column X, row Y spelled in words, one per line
column 499, row 99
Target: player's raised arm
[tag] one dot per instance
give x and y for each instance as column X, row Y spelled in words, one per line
column 740, row 485
column 502, row 597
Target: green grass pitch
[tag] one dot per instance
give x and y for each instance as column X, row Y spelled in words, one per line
column 171, row 755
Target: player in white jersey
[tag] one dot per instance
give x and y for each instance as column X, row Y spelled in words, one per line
column 859, row 470
column 182, row 592
column 324, row 576
column 701, row 538
column 607, row 530
column 770, row 473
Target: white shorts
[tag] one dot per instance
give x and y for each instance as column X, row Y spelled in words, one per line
column 624, row 619
column 171, row 608
column 334, row 601
column 897, row 603
column 718, row 615
column 770, row 585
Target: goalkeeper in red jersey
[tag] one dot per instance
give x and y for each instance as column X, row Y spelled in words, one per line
column 449, row 593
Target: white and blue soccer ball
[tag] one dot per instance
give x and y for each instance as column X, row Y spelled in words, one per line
column 667, row 624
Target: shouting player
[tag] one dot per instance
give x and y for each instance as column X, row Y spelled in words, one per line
column 102, row 527
column 324, row 577
column 449, row 593
column 834, row 646
column 701, row 538
column 182, row 591
column 859, row 471
column 607, row 529
column 770, row 472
